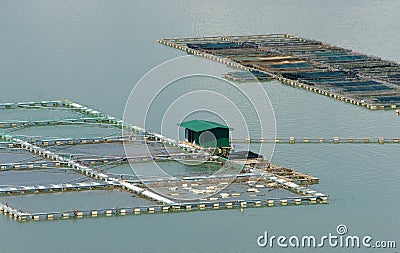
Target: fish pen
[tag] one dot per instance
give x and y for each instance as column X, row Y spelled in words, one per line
column 62, row 160
column 313, row 65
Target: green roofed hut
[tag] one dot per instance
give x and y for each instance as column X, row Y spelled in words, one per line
column 206, row 134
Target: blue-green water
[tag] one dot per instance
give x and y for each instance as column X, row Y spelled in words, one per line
column 94, row 52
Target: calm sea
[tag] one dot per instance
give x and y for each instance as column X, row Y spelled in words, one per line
column 94, row 52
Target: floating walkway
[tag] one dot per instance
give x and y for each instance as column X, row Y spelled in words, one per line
column 97, row 140
column 21, row 123
column 32, row 165
column 33, row 189
column 334, row 140
column 146, row 139
column 20, row 215
column 99, row 161
column 35, row 105
column 312, row 65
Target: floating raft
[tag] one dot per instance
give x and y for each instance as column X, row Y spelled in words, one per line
column 313, row 65
column 99, row 179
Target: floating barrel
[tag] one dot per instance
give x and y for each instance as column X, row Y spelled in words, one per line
column 324, row 199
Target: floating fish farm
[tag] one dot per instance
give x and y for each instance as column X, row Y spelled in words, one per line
column 343, row 74
column 63, row 160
